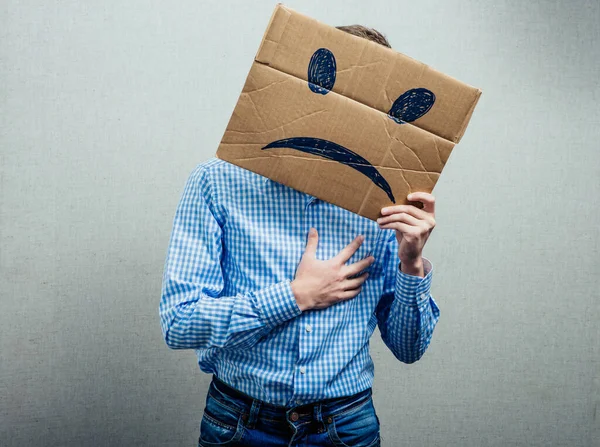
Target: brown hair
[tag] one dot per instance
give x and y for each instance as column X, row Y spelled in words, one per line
column 366, row 33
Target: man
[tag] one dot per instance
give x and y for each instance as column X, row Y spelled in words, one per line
column 279, row 293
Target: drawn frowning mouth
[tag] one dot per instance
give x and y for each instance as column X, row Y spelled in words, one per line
column 409, row 106
column 333, row 151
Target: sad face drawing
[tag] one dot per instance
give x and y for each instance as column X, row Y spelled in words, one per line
column 408, row 107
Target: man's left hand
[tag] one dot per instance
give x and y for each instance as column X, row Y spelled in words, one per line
column 413, row 227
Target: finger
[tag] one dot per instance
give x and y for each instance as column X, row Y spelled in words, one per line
column 358, row 266
column 352, row 284
column 400, row 217
column 408, row 209
column 347, row 252
column 348, row 294
column 401, row 227
column 312, row 243
column 425, row 198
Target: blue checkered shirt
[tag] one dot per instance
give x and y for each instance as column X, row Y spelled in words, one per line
column 236, row 243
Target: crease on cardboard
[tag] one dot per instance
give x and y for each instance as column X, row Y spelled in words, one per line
column 387, row 82
column 420, row 162
column 366, row 105
column 439, row 155
column 322, row 160
column 383, row 114
column 401, row 169
column 351, row 82
column 264, row 59
column 390, row 151
column 386, row 155
column 257, row 112
column 365, row 200
column 266, row 87
column 360, row 66
column 270, row 41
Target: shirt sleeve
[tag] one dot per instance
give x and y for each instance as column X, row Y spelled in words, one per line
column 193, row 313
column 407, row 313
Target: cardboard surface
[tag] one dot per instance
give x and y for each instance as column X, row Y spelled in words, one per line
column 342, row 118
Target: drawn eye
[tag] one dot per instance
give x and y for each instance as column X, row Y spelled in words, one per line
column 412, row 105
column 321, row 71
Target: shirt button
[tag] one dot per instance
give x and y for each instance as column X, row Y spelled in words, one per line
column 308, row 328
column 302, row 370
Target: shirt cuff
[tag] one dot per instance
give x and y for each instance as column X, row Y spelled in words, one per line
column 414, row 290
column 277, row 304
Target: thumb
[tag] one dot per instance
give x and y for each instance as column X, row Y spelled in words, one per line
column 311, row 243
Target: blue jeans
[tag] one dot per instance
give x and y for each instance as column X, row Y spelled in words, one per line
column 232, row 418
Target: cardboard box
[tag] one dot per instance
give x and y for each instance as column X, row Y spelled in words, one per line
column 342, row 118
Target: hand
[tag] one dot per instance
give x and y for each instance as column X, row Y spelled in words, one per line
column 413, row 227
column 320, row 284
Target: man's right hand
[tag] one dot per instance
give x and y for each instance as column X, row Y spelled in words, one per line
column 320, row 284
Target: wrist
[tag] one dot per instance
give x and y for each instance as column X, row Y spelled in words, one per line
column 413, row 267
column 300, row 297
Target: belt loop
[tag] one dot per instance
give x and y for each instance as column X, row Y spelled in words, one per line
column 318, row 416
column 254, row 410
column 317, row 412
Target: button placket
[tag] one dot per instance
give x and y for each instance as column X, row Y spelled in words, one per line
column 306, row 226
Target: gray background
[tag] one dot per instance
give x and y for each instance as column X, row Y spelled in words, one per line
column 108, row 106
